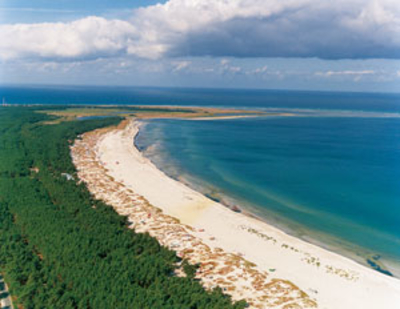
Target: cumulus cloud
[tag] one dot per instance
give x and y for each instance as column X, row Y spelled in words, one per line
column 84, row 38
column 328, row 30
column 338, row 29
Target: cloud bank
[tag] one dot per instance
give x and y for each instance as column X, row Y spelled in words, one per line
column 352, row 29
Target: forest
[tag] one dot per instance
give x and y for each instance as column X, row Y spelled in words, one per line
column 61, row 248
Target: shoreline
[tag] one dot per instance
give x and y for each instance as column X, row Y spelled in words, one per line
column 361, row 255
column 358, row 254
column 320, row 275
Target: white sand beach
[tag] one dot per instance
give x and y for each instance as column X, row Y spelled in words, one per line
column 248, row 258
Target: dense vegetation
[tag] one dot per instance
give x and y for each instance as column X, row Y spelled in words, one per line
column 57, row 250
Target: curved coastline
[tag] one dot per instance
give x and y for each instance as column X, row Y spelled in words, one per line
column 321, row 273
column 364, row 256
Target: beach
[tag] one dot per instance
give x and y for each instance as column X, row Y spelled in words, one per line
column 247, row 258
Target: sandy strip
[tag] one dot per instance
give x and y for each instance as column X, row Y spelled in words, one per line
column 211, row 118
column 246, row 257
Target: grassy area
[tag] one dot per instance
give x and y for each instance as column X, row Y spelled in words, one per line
column 68, row 114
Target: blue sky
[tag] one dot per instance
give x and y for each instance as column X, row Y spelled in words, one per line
column 351, row 45
column 25, row 11
column 28, row 11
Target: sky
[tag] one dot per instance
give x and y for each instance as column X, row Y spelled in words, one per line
column 341, row 45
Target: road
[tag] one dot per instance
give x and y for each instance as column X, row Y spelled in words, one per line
column 5, row 298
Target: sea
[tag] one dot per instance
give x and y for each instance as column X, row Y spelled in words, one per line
column 327, row 170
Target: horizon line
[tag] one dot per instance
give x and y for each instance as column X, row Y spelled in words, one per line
column 396, row 92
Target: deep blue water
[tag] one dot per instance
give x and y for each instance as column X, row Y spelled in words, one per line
column 199, row 97
column 332, row 173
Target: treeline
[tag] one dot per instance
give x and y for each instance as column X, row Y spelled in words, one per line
column 59, row 247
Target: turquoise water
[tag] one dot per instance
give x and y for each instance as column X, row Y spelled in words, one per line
column 331, row 177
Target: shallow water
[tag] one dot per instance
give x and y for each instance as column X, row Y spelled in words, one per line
column 332, row 178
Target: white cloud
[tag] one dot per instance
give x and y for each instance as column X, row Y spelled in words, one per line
column 226, row 67
column 224, row 61
column 88, row 37
column 260, row 70
column 236, row 28
column 180, row 65
column 354, row 75
column 345, row 72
